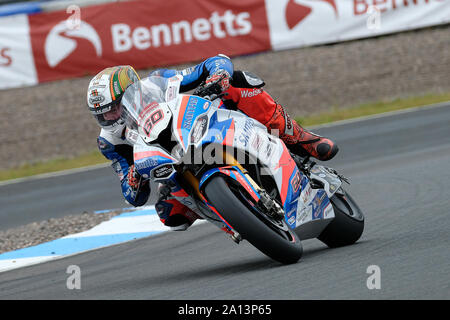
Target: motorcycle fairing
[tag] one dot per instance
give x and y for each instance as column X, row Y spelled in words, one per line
column 155, row 120
column 314, row 204
column 149, row 158
column 274, row 154
column 196, row 206
column 331, row 182
column 189, row 109
column 291, row 177
column 234, row 173
column 220, row 132
column 292, row 197
column 234, row 129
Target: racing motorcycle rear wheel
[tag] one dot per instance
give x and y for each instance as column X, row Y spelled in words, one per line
column 274, row 238
column 348, row 224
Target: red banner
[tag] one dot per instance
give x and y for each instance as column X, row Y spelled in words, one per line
column 156, row 33
column 145, row 34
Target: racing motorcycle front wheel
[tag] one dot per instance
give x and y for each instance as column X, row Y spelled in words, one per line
column 348, row 224
column 272, row 237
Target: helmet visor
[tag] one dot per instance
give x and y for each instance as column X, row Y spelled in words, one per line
column 111, row 115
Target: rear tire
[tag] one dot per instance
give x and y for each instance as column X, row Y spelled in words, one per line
column 348, row 224
column 282, row 246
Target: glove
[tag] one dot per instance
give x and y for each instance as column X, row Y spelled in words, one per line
column 133, row 177
column 222, row 78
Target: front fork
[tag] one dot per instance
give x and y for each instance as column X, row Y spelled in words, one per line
column 192, row 180
column 265, row 203
column 224, row 226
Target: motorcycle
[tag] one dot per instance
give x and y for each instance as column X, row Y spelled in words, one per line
column 229, row 170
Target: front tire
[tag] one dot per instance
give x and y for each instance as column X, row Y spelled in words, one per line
column 348, row 224
column 282, row 246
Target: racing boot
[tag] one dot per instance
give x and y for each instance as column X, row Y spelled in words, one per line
column 299, row 140
column 173, row 213
column 259, row 105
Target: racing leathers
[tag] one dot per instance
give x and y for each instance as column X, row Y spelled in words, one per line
column 243, row 92
column 115, row 147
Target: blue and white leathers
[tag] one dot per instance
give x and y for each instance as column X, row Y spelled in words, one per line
column 193, row 76
column 120, row 152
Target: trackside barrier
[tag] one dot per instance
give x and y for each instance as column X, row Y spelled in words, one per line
column 70, row 43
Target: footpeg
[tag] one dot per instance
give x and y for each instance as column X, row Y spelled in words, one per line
column 340, row 176
column 236, row 237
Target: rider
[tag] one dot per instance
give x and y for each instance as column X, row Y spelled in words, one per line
column 242, row 90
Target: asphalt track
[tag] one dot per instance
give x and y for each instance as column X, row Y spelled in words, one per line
column 58, row 196
column 399, row 167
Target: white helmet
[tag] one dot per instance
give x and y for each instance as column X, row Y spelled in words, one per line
column 105, row 93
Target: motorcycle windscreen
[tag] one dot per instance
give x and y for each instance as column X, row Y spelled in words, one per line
column 145, row 109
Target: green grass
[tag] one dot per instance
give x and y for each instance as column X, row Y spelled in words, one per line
column 59, row 164
column 334, row 114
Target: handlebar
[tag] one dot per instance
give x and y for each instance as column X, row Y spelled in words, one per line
column 210, row 91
